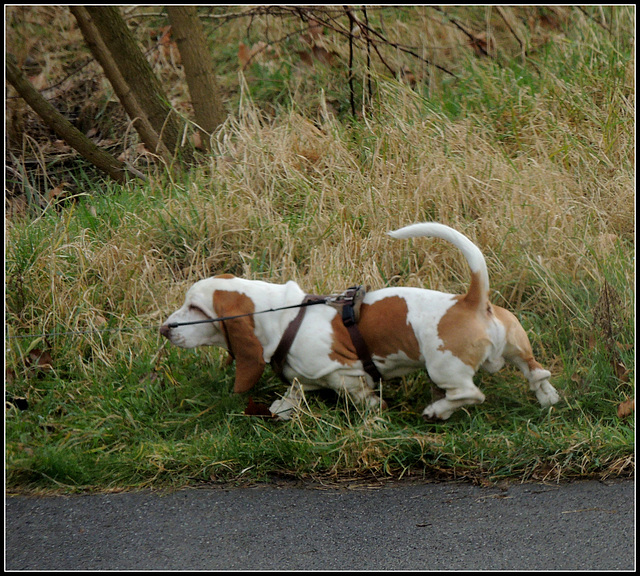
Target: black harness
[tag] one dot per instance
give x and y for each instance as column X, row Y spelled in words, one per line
column 349, row 303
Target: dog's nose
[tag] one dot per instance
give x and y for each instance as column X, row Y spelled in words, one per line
column 165, row 330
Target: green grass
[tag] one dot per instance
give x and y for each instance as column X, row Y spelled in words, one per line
column 533, row 160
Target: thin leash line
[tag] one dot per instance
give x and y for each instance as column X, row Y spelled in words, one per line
column 224, row 318
column 312, row 301
column 91, row 331
column 172, row 325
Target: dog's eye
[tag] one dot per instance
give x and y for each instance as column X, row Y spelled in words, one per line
column 197, row 310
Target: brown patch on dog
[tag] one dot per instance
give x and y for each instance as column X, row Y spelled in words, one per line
column 463, row 331
column 476, row 296
column 385, row 330
column 225, row 276
column 243, row 344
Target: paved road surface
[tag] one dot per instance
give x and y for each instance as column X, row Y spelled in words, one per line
column 585, row 525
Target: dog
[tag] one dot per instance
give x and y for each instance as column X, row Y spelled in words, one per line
column 404, row 328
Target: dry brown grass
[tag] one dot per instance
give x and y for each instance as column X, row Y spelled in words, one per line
column 319, row 206
column 286, row 198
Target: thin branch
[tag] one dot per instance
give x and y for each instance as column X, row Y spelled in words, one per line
column 505, row 19
column 367, row 31
column 351, row 89
column 366, row 19
column 603, row 26
column 462, row 29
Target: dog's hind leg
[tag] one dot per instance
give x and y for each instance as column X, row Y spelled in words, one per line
column 518, row 352
column 538, row 379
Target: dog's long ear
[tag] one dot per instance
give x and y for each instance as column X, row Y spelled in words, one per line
column 243, row 344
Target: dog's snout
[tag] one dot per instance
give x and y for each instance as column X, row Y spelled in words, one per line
column 165, row 330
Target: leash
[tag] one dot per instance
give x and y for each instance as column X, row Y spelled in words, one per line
column 323, row 300
column 69, row 332
column 224, row 318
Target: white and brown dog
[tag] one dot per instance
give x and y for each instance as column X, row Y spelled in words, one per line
column 405, row 329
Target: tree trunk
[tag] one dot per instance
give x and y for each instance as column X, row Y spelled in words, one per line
column 127, row 98
column 61, row 126
column 138, row 76
column 189, row 35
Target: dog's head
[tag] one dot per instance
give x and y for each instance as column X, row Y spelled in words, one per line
column 210, row 300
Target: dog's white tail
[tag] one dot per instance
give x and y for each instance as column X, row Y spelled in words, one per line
column 479, row 288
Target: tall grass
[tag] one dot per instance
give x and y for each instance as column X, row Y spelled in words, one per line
column 536, row 168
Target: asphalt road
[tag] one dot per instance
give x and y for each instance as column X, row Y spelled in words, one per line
column 584, row 525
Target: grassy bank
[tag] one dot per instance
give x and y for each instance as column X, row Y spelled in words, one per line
column 535, row 164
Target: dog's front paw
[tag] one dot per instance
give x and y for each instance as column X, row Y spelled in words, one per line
column 281, row 409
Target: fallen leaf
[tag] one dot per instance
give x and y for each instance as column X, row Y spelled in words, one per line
column 167, row 47
column 483, row 45
column 624, row 347
column 56, row 193
column 39, row 81
column 164, row 35
column 259, row 52
column 620, row 370
column 318, row 53
column 244, row 55
column 306, row 58
column 315, row 28
column 324, row 56
column 626, row 408
column 408, row 76
column 60, row 146
column 40, row 359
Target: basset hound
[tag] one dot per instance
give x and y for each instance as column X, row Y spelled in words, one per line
column 405, row 329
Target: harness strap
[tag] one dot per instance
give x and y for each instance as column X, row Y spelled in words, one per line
column 349, row 321
column 280, row 354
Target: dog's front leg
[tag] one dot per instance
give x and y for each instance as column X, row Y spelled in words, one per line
column 284, row 408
